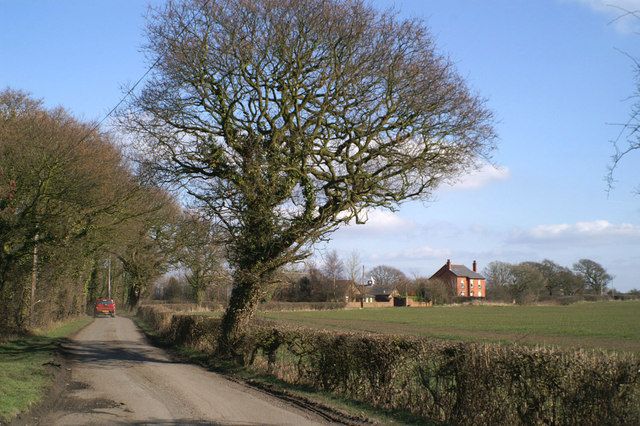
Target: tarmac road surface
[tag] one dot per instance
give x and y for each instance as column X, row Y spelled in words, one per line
column 118, row 378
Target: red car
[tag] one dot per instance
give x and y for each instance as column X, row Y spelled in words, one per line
column 105, row 307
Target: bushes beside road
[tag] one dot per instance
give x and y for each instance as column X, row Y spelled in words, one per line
column 450, row 382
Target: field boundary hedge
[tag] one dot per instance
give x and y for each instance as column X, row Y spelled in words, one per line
column 301, row 306
column 442, row 381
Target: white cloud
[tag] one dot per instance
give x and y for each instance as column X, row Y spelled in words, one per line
column 483, row 176
column 381, row 221
column 421, row 252
column 595, row 231
column 623, row 14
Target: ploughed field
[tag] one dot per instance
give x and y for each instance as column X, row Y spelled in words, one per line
column 595, row 325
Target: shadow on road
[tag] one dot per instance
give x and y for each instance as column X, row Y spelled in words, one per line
column 111, row 353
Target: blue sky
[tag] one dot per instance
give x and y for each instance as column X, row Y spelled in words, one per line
column 551, row 70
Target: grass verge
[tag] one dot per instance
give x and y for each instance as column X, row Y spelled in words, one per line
column 26, row 366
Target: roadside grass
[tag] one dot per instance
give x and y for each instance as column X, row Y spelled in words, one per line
column 611, row 326
column 24, row 366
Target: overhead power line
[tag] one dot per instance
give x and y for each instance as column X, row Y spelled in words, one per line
column 142, row 77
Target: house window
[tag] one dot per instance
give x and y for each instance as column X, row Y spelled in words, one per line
column 471, row 294
column 479, row 286
column 461, row 285
column 462, row 293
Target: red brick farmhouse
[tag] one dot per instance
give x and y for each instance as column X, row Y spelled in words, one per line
column 465, row 282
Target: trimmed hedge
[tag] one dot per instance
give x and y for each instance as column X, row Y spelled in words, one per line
column 451, row 382
column 187, row 306
column 301, row 306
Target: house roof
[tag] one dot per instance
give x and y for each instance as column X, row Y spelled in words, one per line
column 463, row 271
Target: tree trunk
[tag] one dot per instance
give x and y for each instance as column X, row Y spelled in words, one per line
column 198, row 294
column 24, row 300
column 242, row 306
column 255, row 256
column 91, row 285
column 133, row 295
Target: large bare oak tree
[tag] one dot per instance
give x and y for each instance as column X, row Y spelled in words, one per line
column 287, row 118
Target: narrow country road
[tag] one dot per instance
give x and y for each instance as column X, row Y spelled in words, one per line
column 118, row 378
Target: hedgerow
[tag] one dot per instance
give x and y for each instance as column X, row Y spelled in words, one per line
column 301, row 306
column 443, row 381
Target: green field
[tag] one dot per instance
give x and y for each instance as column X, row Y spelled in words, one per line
column 606, row 325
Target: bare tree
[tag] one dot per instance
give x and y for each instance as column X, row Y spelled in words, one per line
column 387, row 276
column 498, row 274
column 198, row 250
column 332, row 265
column 353, row 266
column 560, row 280
column 593, row 274
column 627, row 140
column 288, row 118
column 528, row 282
column 570, row 283
column 333, row 269
column 500, row 278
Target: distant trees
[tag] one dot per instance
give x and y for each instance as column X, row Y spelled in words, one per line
column 332, row 265
column 500, row 279
column 525, row 282
column 328, row 281
column 553, row 279
column 199, row 251
column 559, row 280
column 570, row 283
column 528, row 283
column 287, row 119
column 435, row 291
column 387, row 276
column 593, row 275
column 143, row 244
column 531, row 281
column 171, row 288
column 353, row 267
column 333, row 269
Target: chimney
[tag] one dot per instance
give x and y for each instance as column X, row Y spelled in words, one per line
column 449, row 264
column 475, row 266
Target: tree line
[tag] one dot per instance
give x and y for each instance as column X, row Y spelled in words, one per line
column 329, row 280
column 75, row 216
column 532, row 281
